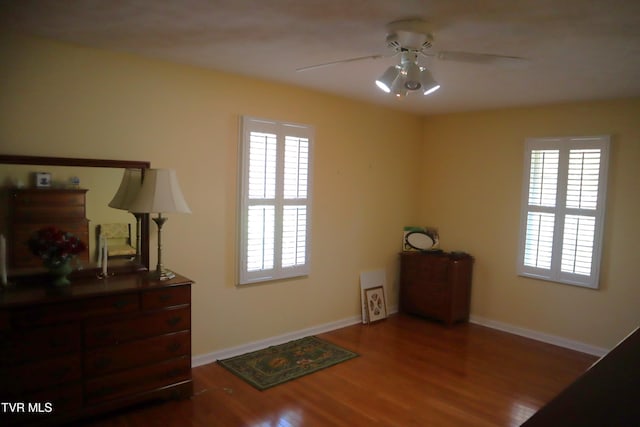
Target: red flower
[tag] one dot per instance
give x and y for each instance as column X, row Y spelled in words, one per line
column 55, row 246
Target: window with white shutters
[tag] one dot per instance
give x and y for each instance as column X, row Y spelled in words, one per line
column 563, row 208
column 275, row 201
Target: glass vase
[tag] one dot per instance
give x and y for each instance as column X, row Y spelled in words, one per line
column 60, row 273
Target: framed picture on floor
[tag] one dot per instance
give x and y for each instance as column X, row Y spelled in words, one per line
column 368, row 280
column 376, row 305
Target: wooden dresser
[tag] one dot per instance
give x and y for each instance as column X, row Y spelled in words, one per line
column 98, row 345
column 436, row 285
column 31, row 209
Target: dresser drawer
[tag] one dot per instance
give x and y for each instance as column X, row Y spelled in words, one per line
column 51, row 198
column 23, row 231
column 137, row 353
column 39, row 343
column 69, row 311
column 434, row 270
column 166, row 297
column 5, row 322
column 32, row 213
column 100, row 333
column 428, row 302
column 39, row 375
column 138, row 380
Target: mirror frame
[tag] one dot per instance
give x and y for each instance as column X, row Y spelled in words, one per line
column 96, row 163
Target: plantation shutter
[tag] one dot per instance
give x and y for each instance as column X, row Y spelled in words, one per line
column 543, row 185
column 296, row 180
column 276, row 200
column 563, row 209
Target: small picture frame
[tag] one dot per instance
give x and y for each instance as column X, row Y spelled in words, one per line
column 43, row 179
column 376, row 305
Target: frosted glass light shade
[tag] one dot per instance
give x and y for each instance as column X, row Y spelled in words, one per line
column 429, row 84
column 386, row 80
column 128, row 190
column 160, row 193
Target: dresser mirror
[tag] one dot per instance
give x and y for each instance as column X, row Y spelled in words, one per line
column 101, row 180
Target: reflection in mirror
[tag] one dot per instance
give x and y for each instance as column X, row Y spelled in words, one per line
column 101, row 185
column 124, row 245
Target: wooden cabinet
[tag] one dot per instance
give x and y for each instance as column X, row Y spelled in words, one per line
column 96, row 346
column 34, row 208
column 436, row 285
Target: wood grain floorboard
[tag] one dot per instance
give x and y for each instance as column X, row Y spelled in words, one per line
column 410, row 372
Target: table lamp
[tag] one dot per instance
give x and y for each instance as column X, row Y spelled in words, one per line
column 160, row 193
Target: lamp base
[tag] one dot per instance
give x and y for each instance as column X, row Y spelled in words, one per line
column 161, row 274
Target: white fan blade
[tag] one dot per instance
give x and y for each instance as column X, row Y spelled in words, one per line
column 342, row 61
column 482, row 58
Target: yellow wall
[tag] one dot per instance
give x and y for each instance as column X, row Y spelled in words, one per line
column 61, row 100
column 471, row 190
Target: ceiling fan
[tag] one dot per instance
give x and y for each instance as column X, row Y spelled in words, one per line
column 412, row 38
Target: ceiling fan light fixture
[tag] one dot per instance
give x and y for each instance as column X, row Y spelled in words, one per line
column 427, row 82
column 412, row 73
column 385, row 82
column 401, row 93
column 399, row 87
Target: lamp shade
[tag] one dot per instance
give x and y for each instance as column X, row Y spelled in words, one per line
column 386, row 80
column 429, row 85
column 160, row 193
column 128, row 190
column 399, row 88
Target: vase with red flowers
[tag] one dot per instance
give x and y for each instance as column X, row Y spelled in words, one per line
column 56, row 248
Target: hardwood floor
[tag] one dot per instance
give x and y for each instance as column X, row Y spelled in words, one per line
column 411, row 372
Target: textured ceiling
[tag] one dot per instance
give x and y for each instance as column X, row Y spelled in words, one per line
column 577, row 49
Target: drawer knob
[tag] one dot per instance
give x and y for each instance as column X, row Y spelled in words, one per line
column 56, row 342
column 103, row 334
column 102, row 363
column 174, row 320
column 165, row 297
column 173, row 347
column 173, row 373
column 121, row 304
column 103, row 391
column 60, row 372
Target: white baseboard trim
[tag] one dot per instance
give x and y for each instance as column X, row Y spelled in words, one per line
column 539, row 336
column 204, row 359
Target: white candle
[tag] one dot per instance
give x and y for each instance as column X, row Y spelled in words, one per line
column 100, row 249
column 3, row 259
column 105, row 252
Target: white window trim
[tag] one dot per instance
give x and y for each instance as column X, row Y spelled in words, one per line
column 560, row 210
column 281, row 129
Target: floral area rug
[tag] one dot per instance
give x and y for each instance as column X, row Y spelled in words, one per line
column 281, row 363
